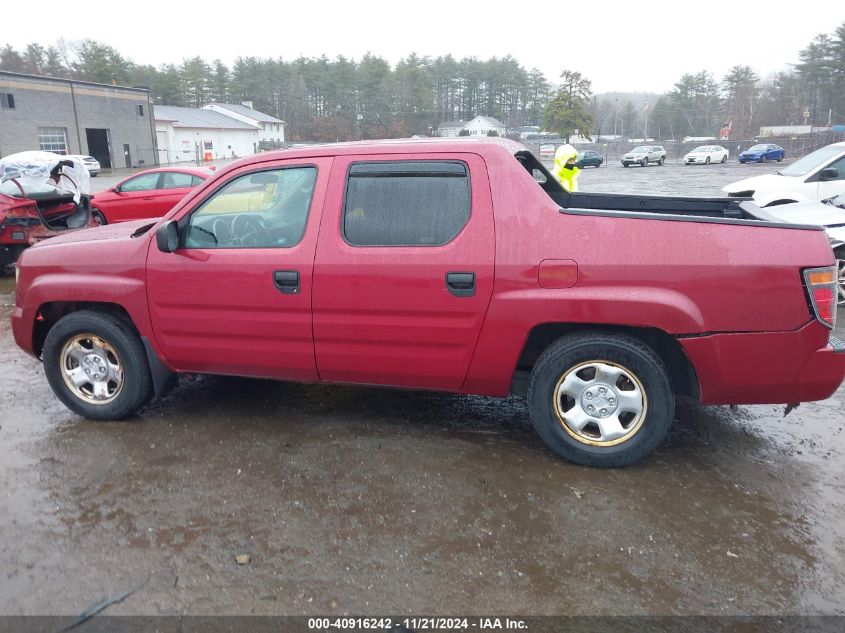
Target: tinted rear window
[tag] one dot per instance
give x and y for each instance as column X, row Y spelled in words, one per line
column 406, row 203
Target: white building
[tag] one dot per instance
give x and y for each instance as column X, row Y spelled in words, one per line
column 188, row 135
column 271, row 131
column 483, row 125
column 450, row 128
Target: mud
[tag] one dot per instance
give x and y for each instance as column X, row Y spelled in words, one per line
column 364, row 501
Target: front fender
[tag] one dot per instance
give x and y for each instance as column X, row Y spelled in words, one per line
column 127, row 292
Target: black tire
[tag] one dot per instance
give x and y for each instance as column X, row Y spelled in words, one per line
column 625, row 165
column 764, row 159
column 780, row 160
column 644, row 162
column 137, row 386
column 661, row 161
column 724, row 159
column 707, row 161
column 623, row 351
column 840, row 267
column 99, row 215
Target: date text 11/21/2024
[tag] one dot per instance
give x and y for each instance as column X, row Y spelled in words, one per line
column 417, row 624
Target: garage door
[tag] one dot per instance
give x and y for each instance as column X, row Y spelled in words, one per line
column 164, row 154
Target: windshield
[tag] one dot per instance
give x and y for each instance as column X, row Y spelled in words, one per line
column 703, row 149
column 758, row 148
column 642, row 149
column 803, row 166
column 838, row 201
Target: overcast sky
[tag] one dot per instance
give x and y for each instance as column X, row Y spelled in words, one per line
column 620, row 46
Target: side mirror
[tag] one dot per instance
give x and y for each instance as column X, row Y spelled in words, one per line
column 167, row 237
column 829, row 173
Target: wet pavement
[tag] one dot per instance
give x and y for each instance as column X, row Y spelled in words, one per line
column 366, row 501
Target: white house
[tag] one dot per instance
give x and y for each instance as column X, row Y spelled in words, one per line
column 271, row 131
column 483, row 125
column 189, row 134
column 450, row 128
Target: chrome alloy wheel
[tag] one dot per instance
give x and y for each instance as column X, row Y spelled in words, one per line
column 91, row 369
column 600, row 403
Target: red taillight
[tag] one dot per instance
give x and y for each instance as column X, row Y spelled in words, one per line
column 821, row 286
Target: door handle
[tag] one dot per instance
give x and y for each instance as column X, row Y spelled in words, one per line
column 461, row 284
column 286, row 281
column 149, row 198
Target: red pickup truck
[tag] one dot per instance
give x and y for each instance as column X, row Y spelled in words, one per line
column 455, row 265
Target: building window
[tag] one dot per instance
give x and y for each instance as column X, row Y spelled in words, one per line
column 140, row 110
column 52, row 139
column 7, row 101
column 406, row 203
column 208, row 145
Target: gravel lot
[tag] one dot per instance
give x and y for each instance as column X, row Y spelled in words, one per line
column 366, row 501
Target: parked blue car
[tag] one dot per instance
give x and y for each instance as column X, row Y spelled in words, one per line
column 762, row 153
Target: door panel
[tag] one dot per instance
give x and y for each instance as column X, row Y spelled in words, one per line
column 173, row 187
column 222, row 306
column 385, row 314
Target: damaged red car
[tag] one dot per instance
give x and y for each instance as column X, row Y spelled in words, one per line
column 41, row 195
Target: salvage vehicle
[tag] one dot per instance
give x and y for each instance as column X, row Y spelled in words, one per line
column 148, row 194
column 41, row 195
column 816, row 176
column 445, row 264
column 643, row 155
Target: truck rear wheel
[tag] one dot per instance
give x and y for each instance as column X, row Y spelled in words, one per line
column 96, row 365
column 601, row 399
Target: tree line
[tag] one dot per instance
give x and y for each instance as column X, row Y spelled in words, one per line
column 318, row 98
column 343, row 98
column 811, row 92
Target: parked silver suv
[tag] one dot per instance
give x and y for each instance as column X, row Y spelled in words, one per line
column 645, row 154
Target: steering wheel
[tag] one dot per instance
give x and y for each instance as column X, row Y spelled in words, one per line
column 248, row 231
column 220, row 228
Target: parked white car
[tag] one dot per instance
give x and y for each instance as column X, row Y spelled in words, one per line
column 706, row 154
column 816, row 176
column 90, row 162
column 829, row 213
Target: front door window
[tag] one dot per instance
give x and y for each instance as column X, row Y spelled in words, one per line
column 266, row 209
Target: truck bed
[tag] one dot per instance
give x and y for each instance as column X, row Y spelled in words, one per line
column 676, row 208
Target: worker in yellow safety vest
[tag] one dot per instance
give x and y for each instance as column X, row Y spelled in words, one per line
column 565, row 170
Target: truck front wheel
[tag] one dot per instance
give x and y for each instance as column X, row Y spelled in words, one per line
column 96, row 365
column 601, row 399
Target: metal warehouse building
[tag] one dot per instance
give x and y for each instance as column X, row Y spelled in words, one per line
column 114, row 124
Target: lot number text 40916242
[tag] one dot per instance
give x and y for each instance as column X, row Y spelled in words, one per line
column 416, row 624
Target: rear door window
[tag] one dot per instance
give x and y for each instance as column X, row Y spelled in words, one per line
column 406, row 203
column 176, row 180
